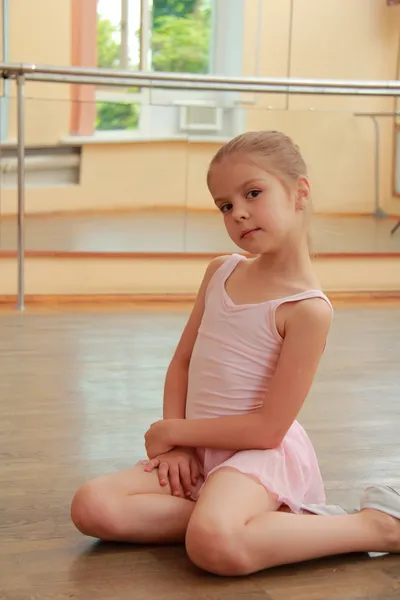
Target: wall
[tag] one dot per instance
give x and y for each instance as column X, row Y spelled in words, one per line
column 121, row 176
column 307, row 38
column 338, row 39
column 40, row 33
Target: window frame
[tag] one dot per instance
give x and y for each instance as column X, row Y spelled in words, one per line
column 226, row 56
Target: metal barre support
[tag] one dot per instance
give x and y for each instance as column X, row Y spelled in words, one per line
column 213, row 82
column 379, row 212
column 244, row 87
column 20, row 81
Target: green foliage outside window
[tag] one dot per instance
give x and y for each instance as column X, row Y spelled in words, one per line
column 180, row 43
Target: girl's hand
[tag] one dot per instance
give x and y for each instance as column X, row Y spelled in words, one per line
column 182, row 468
column 156, row 439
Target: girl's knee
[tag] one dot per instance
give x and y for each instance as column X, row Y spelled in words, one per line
column 93, row 512
column 216, row 548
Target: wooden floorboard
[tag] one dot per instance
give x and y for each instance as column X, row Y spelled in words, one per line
column 78, row 390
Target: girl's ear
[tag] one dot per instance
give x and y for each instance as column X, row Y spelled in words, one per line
column 303, row 192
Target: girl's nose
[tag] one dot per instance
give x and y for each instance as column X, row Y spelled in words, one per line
column 240, row 212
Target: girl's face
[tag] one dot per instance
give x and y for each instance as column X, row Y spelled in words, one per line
column 260, row 213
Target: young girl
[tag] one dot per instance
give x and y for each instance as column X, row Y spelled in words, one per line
column 231, row 472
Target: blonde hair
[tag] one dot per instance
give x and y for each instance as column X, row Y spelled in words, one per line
column 283, row 154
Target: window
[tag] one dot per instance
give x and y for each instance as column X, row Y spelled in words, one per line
column 186, row 36
column 118, row 24
column 181, row 35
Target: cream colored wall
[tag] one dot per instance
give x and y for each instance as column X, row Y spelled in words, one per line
column 40, row 33
column 128, row 176
column 1, row 45
column 330, row 39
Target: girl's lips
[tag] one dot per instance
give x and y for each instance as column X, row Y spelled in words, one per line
column 247, row 232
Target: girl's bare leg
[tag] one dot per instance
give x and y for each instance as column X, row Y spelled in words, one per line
column 131, row 506
column 235, row 529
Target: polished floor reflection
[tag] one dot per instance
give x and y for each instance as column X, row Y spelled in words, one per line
column 180, row 231
column 78, row 390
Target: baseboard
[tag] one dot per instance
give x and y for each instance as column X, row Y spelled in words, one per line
column 137, row 300
column 182, row 256
column 98, row 299
column 389, row 297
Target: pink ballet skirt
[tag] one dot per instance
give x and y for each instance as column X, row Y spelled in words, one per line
column 234, row 358
column 291, row 471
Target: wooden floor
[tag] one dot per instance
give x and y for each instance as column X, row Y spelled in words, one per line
column 77, row 392
column 183, row 231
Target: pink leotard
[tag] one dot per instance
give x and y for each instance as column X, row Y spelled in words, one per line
column 233, row 360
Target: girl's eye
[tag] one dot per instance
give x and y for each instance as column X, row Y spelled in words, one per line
column 225, row 208
column 253, row 194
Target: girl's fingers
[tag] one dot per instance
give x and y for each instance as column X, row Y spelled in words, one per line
column 163, row 470
column 151, row 465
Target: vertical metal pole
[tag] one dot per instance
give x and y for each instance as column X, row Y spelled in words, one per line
column 21, row 190
column 378, row 210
